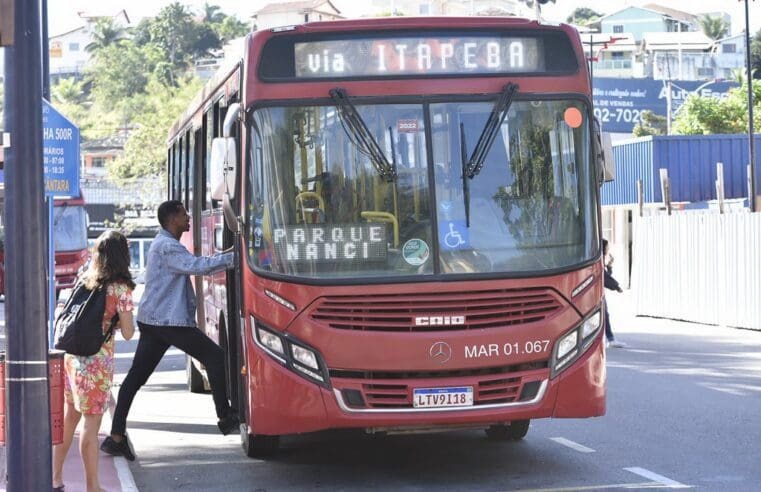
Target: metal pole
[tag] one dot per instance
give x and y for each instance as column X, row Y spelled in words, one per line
column 45, row 52
column 668, row 107
column 27, row 392
column 751, row 143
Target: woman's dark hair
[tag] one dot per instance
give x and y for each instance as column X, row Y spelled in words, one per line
column 110, row 262
column 168, row 209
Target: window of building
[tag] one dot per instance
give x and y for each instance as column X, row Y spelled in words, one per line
column 618, row 28
column 99, row 162
column 73, row 46
column 729, row 48
column 306, row 17
column 617, row 55
column 705, row 72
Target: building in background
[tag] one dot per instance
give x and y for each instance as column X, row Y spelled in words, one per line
column 678, row 55
column 278, row 14
column 649, row 18
column 67, row 51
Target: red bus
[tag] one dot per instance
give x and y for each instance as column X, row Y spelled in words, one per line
column 415, row 205
column 70, row 242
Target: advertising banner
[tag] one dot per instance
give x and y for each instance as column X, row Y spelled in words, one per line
column 619, row 103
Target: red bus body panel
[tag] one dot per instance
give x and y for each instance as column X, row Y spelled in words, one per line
column 280, row 401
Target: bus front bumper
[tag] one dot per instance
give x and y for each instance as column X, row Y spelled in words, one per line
column 290, row 404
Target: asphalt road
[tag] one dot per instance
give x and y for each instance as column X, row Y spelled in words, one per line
column 683, row 404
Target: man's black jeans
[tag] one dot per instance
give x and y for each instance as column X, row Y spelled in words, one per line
column 154, row 342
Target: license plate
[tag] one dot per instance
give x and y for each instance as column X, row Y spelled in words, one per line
column 442, row 397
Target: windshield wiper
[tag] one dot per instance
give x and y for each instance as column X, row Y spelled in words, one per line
column 486, row 139
column 360, row 135
column 465, row 184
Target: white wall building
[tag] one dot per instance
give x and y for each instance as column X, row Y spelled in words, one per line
column 290, row 13
column 67, row 51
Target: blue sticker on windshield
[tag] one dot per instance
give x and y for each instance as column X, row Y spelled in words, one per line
column 453, row 235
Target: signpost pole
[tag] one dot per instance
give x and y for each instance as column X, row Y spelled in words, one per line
column 26, row 363
column 51, row 272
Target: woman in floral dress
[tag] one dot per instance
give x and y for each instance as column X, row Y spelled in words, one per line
column 88, row 378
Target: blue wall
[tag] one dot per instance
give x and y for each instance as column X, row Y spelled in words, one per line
column 691, row 163
column 635, row 20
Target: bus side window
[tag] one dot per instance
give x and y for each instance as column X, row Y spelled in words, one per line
column 189, row 174
column 177, row 193
column 208, row 128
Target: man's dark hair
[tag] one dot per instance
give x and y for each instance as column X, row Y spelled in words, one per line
column 167, row 210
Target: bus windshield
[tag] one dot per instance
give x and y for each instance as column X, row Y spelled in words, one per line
column 69, row 228
column 320, row 207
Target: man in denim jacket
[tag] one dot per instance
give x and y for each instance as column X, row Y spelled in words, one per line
column 166, row 317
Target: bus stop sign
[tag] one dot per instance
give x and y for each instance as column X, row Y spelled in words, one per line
column 60, row 153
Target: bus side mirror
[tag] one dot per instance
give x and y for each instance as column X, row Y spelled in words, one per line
column 223, row 167
column 603, row 153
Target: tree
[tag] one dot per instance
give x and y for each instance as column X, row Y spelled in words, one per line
column 755, row 54
column 68, row 90
column 650, row 124
column 145, row 151
column 583, row 16
column 714, row 27
column 707, row 115
column 230, row 28
column 106, row 32
column 180, row 37
column 212, row 14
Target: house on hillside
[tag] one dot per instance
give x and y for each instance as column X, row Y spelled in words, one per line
column 278, row 14
column 730, row 55
column 678, row 55
column 67, row 51
column 451, row 7
column 613, row 55
column 96, row 154
column 648, row 18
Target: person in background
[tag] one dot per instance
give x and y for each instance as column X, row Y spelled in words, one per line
column 166, row 317
column 612, row 284
column 88, row 379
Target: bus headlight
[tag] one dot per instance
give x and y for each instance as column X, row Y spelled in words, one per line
column 304, row 356
column 270, row 341
column 574, row 343
column 291, row 353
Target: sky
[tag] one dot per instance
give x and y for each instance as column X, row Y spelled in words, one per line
column 62, row 14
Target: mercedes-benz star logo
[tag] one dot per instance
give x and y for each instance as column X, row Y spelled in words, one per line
column 441, row 352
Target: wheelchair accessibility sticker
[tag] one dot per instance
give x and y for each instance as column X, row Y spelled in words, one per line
column 453, row 235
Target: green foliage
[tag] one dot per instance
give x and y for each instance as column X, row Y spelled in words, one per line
column 713, row 26
column 583, row 16
column 139, row 80
column 707, row 115
column 650, row 124
column 106, row 32
column 230, row 28
column 145, row 151
column 755, row 54
column 180, row 37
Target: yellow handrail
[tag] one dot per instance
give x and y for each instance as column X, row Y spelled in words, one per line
column 374, row 216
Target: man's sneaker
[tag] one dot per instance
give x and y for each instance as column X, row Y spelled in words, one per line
column 114, row 448
column 228, row 424
column 617, row 344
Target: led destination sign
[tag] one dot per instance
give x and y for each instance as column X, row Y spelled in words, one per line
column 418, row 56
column 331, row 243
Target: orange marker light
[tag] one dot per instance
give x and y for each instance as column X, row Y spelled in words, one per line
column 572, row 117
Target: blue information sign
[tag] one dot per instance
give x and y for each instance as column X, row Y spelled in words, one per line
column 60, row 153
column 619, row 103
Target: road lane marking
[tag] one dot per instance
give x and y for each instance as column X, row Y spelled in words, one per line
column 629, row 486
column 573, row 445
column 667, row 482
column 126, row 480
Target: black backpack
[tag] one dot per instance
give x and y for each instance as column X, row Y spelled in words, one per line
column 78, row 328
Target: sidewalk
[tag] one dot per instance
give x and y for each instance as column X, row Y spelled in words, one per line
column 114, row 472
